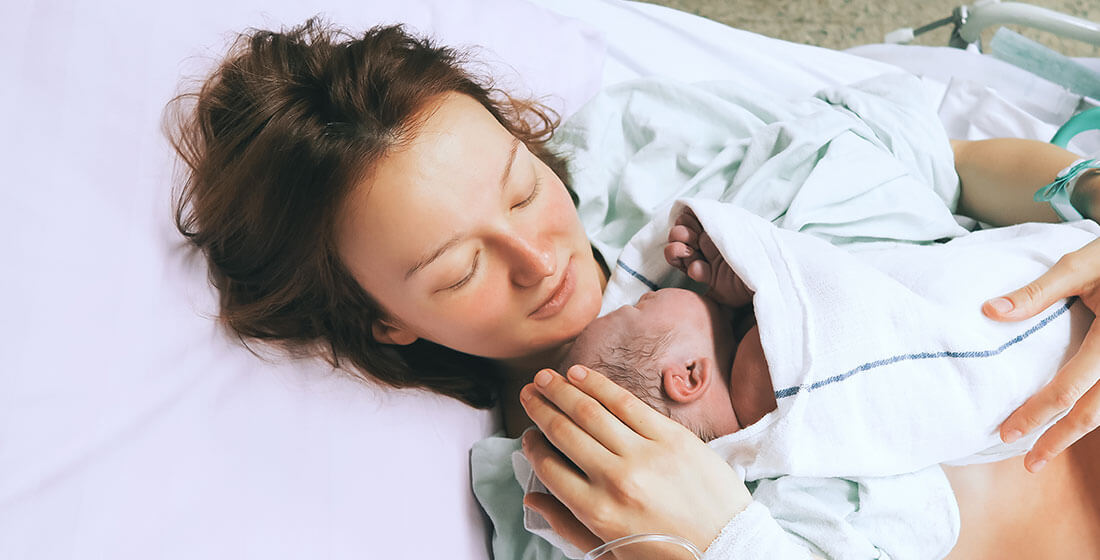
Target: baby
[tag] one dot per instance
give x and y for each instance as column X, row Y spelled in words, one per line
column 690, row 358
column 701, row 361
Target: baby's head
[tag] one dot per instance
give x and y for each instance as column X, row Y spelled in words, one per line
column 674, row 350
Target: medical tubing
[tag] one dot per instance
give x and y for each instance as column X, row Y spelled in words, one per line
column 643, row 537
column 1088, row 119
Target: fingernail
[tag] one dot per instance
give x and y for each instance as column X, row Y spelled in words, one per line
column 1002, row 305
column 1013, row 435
column 542, row 379
column 578, row 373
column 1038, row 466
column 525, row 394
column 523, row 441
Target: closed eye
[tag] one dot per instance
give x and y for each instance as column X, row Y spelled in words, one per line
column 531, row 197
column 469, row 276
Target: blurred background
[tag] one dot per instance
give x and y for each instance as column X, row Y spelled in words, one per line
column 839, row 24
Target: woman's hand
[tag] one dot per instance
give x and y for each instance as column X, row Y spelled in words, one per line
column 632, row 471
column 1075, row 385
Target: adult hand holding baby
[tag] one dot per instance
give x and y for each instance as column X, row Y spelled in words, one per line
column 1075, row 385
column 633, row 470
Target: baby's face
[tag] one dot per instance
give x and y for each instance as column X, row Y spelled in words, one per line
column 694, row 325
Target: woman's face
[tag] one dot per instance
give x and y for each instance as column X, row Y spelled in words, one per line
column 468, row 240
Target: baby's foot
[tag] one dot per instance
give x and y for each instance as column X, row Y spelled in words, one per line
column 692, row 251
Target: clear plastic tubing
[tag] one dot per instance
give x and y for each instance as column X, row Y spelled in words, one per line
column 643, row 537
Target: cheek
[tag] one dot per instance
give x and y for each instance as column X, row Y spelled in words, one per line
column 560, row 212
column 458, row 319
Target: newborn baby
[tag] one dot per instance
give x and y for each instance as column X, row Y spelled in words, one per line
column 692, row 359
column 836, row 383
column 701, row 361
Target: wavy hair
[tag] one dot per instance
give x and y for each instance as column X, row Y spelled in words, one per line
column 274, row 140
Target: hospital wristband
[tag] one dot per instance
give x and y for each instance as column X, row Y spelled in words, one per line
column 1059, row 191
column 754, row 534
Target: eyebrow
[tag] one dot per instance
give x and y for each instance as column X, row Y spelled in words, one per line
column 456, row 238
column 508, row 166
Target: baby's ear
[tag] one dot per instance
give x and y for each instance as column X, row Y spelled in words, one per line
column 687, row 382
column 388, row 331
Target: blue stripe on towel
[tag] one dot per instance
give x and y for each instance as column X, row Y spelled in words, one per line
column 927, row 355
column 637, row 275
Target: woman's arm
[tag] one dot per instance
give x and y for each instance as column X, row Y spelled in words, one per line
column 999, row 178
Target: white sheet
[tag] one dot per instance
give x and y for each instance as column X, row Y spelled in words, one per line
column 130, row 425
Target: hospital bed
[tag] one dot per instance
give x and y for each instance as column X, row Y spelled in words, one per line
column 133, row 426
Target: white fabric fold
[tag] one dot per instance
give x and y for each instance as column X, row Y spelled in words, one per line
column 882, row 360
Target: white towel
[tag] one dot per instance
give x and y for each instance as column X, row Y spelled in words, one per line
column 881, row 360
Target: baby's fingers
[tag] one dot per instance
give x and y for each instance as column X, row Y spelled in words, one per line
column 688, row 220
column 699, row 270
column 679, row 255
column 708, row 248
column 683, row 234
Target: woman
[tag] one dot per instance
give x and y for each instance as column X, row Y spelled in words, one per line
column 367, row 200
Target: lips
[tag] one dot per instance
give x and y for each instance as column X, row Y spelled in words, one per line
column 555, row 302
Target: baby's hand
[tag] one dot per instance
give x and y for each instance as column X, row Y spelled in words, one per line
column 692, row 251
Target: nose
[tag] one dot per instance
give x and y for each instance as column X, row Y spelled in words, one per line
column 530, row 260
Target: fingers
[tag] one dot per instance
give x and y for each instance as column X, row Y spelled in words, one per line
column 679, row 255
column 684, row 234
column 1083, row 419
column 1069, row 276
column 1076, row 379
column 568, row 410
column 688, row 220
column 708, row 248
column 699, row 270
column 628, row 409
column 560, row 478
column 562, row 430
column 562, row 520
column 682, row 246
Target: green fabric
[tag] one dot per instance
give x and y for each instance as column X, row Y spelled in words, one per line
column 866, row 162
column 501, row 497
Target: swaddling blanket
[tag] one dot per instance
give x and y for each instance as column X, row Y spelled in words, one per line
column 881, row 361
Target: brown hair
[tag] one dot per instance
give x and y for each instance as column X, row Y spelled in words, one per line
column 274, row 141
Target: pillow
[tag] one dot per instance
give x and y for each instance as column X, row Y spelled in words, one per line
column 131, row 424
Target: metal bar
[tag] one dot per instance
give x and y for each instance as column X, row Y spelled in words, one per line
column 984, row 15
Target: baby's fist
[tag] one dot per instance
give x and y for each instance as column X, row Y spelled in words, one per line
column 692, row 251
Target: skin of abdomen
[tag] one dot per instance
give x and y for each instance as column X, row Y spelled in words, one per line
column 1009, row 513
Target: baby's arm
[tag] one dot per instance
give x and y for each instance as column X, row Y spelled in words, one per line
column 691, row 250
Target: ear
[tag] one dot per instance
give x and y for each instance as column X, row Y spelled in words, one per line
column 687, row 382
column 388, row 331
